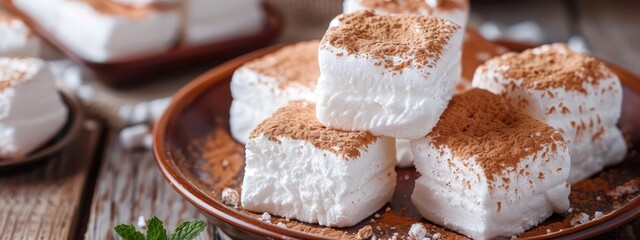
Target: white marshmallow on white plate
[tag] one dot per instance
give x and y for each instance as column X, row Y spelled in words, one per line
column 575, row 93
column 210, row 21
column 16, row 38
column 263, row 85
column 299, row 169
column 489, row 170
column 103, row 31
column 392, row 75
column 456, row 11
column 31, row 109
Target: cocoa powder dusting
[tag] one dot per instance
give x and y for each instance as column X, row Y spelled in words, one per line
column 115, row 9
column 552, row 66
column 414, row 6
column 297, row 63
column 14, row 71
column 298, row 121
column 481, row 124
column 418, row 40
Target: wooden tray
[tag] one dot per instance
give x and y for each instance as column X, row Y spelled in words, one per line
column 137, row 70
column 195, row 128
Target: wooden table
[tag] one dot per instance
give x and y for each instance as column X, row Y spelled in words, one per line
column 95, row 184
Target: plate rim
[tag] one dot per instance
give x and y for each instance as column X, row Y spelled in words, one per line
column 202, row 83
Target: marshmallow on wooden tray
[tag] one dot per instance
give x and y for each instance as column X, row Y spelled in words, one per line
column 31, row 110
column 575, row 93
column 262, row 86
column 103, row 31
column 391, row 75
column 297, row 168
column 489, row 170
column 16, row 38
column 456, row 11
column 215, row 21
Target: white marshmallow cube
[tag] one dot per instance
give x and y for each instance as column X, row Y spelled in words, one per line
column 31, row 109
column 263, row 85
column 489, row 170
column 210, row 21
column 393, row 83
column 575, row 93
column 296, row 168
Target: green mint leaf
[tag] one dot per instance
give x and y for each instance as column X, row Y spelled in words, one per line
column 128, row 232
column 188, row 230
column 155, row 230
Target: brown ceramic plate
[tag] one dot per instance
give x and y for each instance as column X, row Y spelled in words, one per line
column 133, row 71
column 198, row 158
column 68, row 133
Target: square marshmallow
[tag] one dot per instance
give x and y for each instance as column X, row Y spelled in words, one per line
column 575, row 93
column 297, row 168
column 456, row 11
column 31, row 110
column 391, row 75
column 16, row 38
column 263, row 85
column 103, row 31
column 489, row 170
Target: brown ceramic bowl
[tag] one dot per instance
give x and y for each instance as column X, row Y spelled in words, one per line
column 198, row 158
column 66, row 135
column 138, row 69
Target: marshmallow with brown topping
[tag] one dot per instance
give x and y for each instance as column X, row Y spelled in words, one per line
column 575, row 93
column 263, row 85
column 489, row 170
column 456, row 11
column 104, row 31
column 391, row 75
column 31, row 110
column 299, row 169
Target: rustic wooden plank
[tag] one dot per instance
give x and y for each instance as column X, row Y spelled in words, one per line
column 42, row 201
column 129, row 185
column 611, row 30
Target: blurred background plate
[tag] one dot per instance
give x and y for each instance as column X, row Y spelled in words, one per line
column 66, row 135
column 141, row 69
column 198, row 158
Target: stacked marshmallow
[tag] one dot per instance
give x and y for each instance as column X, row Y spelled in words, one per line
column 297, row 168
column 263, row 85
column 489, row 170
column 392, row 75
column 575, row 93
column 31, row 110
column 112, row 30
column 16, row 39
column 456, row 11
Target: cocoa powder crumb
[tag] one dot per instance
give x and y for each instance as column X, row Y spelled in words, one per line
column 481, row 124
column 417, row 40
column 293, row 64
column 551, row 66
column 365, row 232
column 298, row 121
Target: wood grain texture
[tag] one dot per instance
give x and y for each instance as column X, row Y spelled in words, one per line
column 129, row 185
column 42, row 201
column 611, row 30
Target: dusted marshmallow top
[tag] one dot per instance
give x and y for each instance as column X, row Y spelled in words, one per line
column 297, row 63
column 482, row 124
column 415, row 6
column 298, row 121
column 550, row 66
column 393, row 41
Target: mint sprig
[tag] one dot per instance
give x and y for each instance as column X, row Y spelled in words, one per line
column 188, row 230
